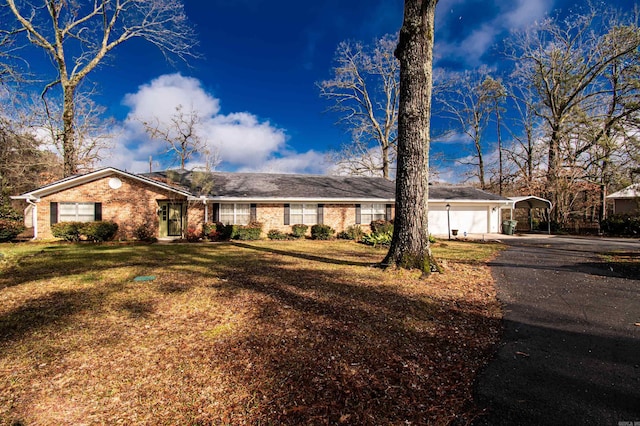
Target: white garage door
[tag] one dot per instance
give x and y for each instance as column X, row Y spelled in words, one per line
column 470, row 219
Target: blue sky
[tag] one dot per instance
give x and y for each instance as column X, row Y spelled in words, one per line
column 255, row 83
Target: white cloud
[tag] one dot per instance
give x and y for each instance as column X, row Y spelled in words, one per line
column 308, row 162
column 514, row 15
column 242, row 140
column 526, row 13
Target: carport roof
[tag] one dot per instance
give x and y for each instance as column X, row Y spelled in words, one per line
column 530, row 202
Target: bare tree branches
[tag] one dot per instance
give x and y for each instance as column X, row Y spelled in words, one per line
column 77, row 36
column 468, row 99
column 364, row 91
column 183, row 136
column 574, row 66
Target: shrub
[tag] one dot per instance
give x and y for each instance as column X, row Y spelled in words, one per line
column 98, row 231
column 299, row 230
column 213, row 231
column 68, row 231
column 8, row 213
column 378, row 238
column 274, row 234
column 9, row 229
column 249, row 232
column 621, row 224
column 192, row 235
column 382, row 227
column 354, row 233
column 432, row 239
column 322, row 232
column 144, row 232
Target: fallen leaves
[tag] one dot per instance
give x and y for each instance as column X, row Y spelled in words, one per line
column 286, row 333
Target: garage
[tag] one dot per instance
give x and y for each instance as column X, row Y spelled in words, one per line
column 464, row 210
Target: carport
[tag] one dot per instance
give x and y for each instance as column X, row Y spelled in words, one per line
column 530, row 202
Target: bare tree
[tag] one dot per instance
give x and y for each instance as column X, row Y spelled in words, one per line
column 524, row 153
column 24, row 161
column 93, row 132
column 78, row 35
column 494, row 95
column 566, row 61
column 182, row 135
column 410, row 243
column 364, row 90
column 468, row 101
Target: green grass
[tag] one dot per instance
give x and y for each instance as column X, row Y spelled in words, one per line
column 291, row 332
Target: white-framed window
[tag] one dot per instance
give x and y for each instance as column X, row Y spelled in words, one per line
column 235, row 214
column 76, row 212
column 306, row 214
column 371, row 212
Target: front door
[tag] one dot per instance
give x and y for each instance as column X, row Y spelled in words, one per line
column 171, row 219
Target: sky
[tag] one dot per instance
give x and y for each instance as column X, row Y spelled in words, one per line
column 254, row 84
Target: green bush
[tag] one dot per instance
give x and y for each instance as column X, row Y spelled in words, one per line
column 382, row 227
column 144, row 232
column 8, row 213
column 274, row 234
column 250, row 232
column 99, row 231
column 68, row 231
column 9, row 229
column 378, row 238
column 213, row 231
column 621, row 224
column 354, row 233
column 432, row 239
column 322, row 232
column 299, row 230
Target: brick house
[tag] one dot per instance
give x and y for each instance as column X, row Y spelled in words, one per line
column 169, row 202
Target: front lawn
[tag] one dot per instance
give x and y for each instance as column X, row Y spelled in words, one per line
column 248, row 333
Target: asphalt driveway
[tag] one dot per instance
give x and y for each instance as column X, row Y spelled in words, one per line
column 570, row 353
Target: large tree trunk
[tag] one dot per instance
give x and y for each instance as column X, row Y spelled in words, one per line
column 69, row 153
column 410, row 244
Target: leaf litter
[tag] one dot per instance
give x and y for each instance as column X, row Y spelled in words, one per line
column 261, row 333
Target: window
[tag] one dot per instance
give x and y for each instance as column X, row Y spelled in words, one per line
column 76, row 212
column 306, row 214
column 235, row 214
column 371, row 212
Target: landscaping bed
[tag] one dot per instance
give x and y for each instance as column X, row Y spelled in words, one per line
column 288, row 332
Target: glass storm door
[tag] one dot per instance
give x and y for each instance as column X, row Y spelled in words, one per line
column 170, row 219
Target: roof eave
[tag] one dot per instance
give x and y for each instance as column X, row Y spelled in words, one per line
column 300, row 199
column 95, row 175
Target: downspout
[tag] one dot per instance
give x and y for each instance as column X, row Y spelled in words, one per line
column 34, row 218
column 206, row 209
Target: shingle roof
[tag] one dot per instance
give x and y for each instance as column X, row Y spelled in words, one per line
column 292, row 186
column 451, row 192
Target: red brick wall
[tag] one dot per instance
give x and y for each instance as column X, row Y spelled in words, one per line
column 133, row 204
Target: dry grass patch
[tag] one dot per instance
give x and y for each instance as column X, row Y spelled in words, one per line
column 257, row 333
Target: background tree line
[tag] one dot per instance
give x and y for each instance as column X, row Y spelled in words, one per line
column 561, row 121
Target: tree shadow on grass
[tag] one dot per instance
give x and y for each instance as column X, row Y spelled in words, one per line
column 324, row 350
column 317, row 345
column 306, row 256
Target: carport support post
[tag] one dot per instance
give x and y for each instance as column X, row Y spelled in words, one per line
column 448, row 207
